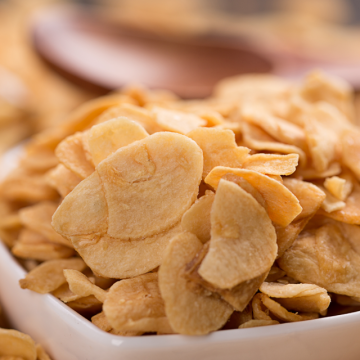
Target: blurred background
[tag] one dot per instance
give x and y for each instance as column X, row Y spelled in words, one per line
column 54, row 55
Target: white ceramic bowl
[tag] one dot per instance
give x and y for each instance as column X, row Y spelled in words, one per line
column 68, row 336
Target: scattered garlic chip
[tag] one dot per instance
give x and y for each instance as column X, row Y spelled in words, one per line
column 136, row 305
column 197, row 219
column 310, row 198
column 338, row 187
column 84, row 210
column 351, row 150
column 71, row 154
column 243, row 240
column 282, row 205
column 32, row 245
column 16, row 344
column 282, row 314
column 38, row 218
column 238, row 297
column 324, row 257
column 63, row 180
column 257, row 323
column 309, row 195
column 278, row 128
column 272, row 164
column 105, row 138
column 49, row 275
column 102, row 323
column 219, row 148
column 331, row 203
column 190, row 312
column 147, row 189
column 177, row 121
column 257, row 139
column 80, row 285
column 298, row 297
column 135, row 113
column 120, row 259
column 349, row 214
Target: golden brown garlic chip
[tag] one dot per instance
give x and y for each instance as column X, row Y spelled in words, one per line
column 243, row 240
column 80, row 285
column 17, row 344
column 71, row 154
column 219, row 148
column 33, row 245
column 282, row 205
column 338, row 187
column 309, row 195
column 350, row 214
column 326, row 258
column 141, row 190
column 102, row 323
column 282, row 314
column 189, row 311
column 177, row 121
column 238, row 297
column 310, row 198
column 38, row 218
column 105, row 138
column 331, row 203
column 351, row 150
column 298, row 297
column 271, row 164
column 257, row 139
column 279, row 129
column 62, row 179
column 120, row 259
column 136, row 305
column 197, row 219
column 49, row 275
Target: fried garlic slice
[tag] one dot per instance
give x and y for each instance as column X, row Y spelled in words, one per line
column 243, row 240
column 219, row 148
column 272, row 164
column 326, row 258
column 190, row 311
column 309, row 195
column 62, row 180
column 197, row 219
column 32, row 245
column 238, row 297
column 257, row 139
column 281, row 205
column 298, row 297
column 105, row 138
column 349, row 214
column 280, row 129
column 136, row 305
column 38, row 218
column 141, row 190
column 177, row 121
column 17, row 344
column 71, row 154
column 49, row 275
column 121, row 259
column 282, row 314
column 80, row 285
column 339, row 187
column 331, row 203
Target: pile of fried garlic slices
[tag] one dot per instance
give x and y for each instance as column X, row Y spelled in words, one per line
column 150, row 214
